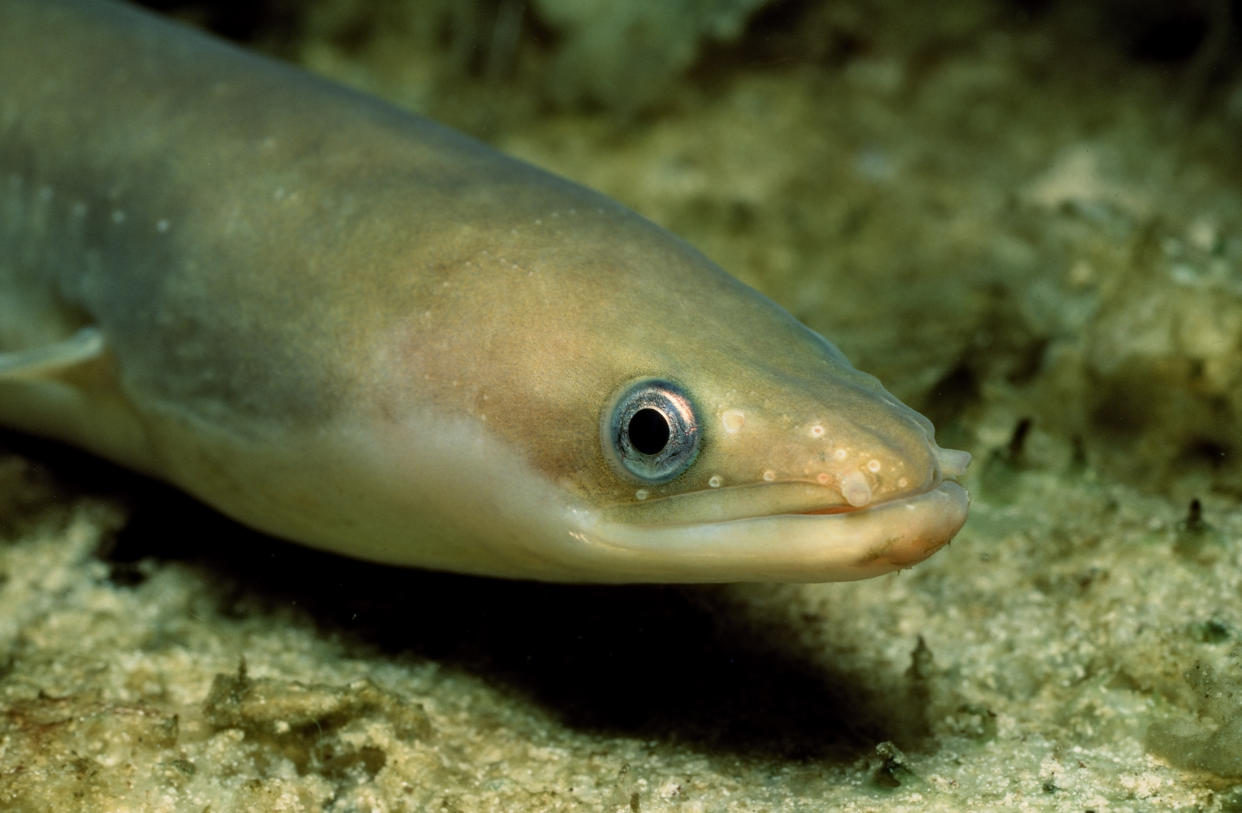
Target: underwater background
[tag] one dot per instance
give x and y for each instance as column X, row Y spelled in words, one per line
column 1024, row 216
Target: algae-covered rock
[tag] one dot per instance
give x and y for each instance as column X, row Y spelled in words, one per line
column 624, row 54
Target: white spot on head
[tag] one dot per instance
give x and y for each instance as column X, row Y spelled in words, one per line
column 769, row 475
column 823, row 477
column 840, row 454
column 118, row 216
column 162, row 225
column 732, row 420
column 817, row 431
column 715, row 480
column 902, row 482
column 641, row 493
column 45, row 193
column 78, row 209
column 873, row 465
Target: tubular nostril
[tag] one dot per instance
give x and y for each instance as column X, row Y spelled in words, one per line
column 953, row 462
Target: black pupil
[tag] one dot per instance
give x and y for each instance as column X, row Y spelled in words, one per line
column 648, row 431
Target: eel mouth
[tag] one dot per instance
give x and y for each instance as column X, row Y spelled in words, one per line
column 745, row 502
column 814, row 543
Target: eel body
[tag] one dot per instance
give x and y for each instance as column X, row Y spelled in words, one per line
column 352, row 327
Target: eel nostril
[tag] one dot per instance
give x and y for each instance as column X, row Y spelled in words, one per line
column 953, row 462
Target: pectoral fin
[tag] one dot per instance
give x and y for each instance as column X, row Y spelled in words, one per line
column 38, row 362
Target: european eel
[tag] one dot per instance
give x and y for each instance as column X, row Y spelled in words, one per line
column 349, row 326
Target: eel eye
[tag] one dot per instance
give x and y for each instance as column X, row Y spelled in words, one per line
column 652, row 431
